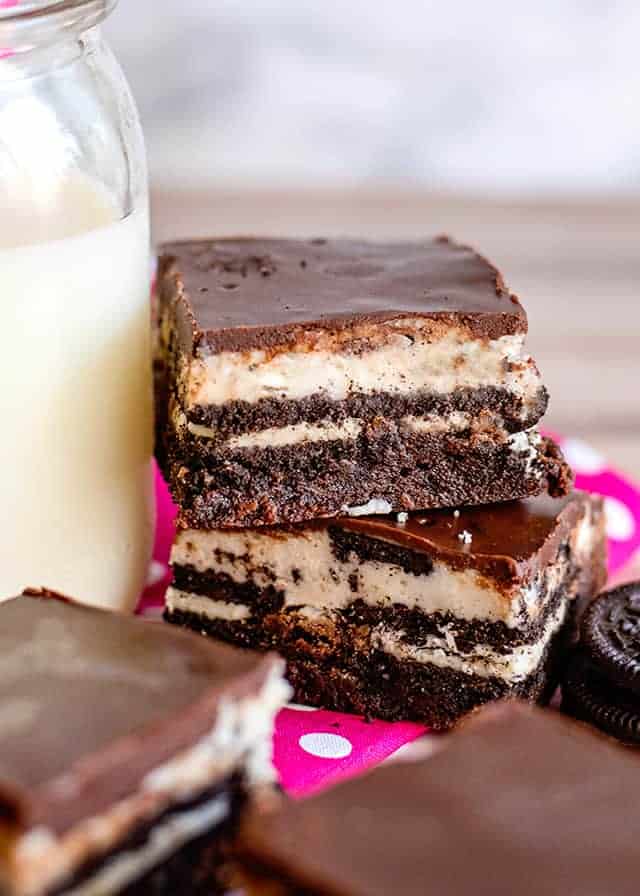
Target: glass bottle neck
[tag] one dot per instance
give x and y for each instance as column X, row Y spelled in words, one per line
column 28, row 26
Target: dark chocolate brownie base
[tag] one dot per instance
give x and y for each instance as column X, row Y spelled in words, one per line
column 197, row 869
column 410, row 471
column 392, row 690
column 374, row 684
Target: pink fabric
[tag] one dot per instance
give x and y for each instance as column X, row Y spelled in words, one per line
column 314, row 748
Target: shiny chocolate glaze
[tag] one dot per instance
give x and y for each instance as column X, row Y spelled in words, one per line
column 500, row 540
column 519, row 801
column 91, row 701
column 235, row 294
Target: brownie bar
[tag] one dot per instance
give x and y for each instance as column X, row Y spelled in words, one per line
column 519, row 801
column 122, row 743
column 300, row 378
column 421, row 616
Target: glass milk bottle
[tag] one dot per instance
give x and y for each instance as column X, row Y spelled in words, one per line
column 75, row 374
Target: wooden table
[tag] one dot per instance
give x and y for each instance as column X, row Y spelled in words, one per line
column 576, row 266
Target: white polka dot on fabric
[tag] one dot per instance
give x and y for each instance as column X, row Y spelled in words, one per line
column 157, row 572
column 583, row 458
column 325, row 745
column 620, row 522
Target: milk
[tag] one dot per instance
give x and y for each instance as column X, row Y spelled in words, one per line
column 75, row 396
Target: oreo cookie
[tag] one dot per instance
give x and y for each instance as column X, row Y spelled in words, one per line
column 602, row 679
column 587, row 696
column 610, row 633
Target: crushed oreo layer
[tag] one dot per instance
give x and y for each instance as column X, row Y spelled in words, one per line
column 240, row 417
column 377, row 685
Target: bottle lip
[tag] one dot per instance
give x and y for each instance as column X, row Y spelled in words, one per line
column 17, row 10
column 27, row 24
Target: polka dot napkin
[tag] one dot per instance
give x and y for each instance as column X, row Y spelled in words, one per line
column 314, row 748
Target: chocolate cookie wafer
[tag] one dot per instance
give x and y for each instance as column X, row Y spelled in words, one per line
column 611, row 635
column 590, row 697
column 602, row 681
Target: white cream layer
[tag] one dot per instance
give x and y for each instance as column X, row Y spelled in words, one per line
column 328, row 431
column 270, row 560
column 175, row 599
column 239, row 740
column 195, row 603
column 402, row 365
column 278, row 436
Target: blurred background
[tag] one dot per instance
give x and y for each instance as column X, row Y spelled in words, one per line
column 514, row 126
column 493, row 97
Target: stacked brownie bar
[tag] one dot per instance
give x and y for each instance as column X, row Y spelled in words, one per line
column 306, row 379
column 128, row 750
column 338, row 421
column 401, row 619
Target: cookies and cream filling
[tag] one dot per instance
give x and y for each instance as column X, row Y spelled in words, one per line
column 301, row 565
column 401, row 364
column 440, row 650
